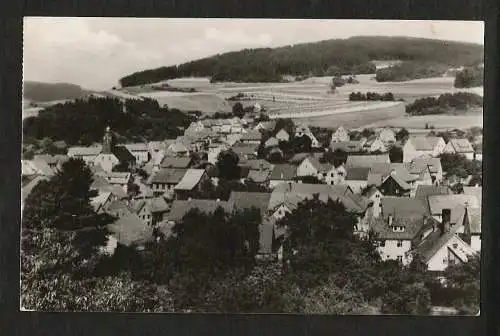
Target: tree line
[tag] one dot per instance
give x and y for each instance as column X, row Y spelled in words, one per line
column 469, row 77
column 409, row 70
column 371, row 96
column 82, row 122
column 351, row 56
column 444, row 103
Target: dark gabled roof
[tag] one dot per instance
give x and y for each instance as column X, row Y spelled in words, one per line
column 175, row 162
column 357, row 173
column 439, row 202
column 246, row 200
column 462, row 145
column 424, row 191
column 284, row 171
column 180, row 208
column 123, row 154
column 433, row 242
column 251, row 135
column 403, row 206
column 168, row 175
column 399, row 181
column 244, row 148
column 117, row 205
column 413, row 225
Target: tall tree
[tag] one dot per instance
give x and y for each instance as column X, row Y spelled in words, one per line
column 227, row 165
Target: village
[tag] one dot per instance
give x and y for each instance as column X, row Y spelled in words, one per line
column 406, row 205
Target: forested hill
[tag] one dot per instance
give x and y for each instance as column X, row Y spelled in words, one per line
column 345, row 56
column 44, row 92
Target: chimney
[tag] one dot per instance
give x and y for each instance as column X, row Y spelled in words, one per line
column 445, row 220
column 390, row 220
column 217, row 200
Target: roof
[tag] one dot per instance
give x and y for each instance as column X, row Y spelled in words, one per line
column 366, row 160
column 266, row 235
column 130, row 230
column 434, row 140
column 243, row 148
column 42, row 168
column 180, row 208
column 251, row 135
column 314, row 160
column 99, row 182
column 475, row 191
column 272, row 141
column 439, row 202
column 117, row 205
column 473, row 217
column 284, row 171
column 421, row 143
column 135, row 147
column 168, row 176
column 461, row 145
column 282, row 133
column 268, row 125
column 123, row 154
column 99, row 200
column 178, row 147
column 246, row 200
column 299, row 157
column 413, row 224
column 115, row 190
column 347, row 146
column 357, row 173
column 47, row 158
column 190, row 179
column 117, row 177
column 158, row 204
column 385, row 169
column 370, row 191
column 85, row 151
column 424, row 191
column 419, row 164
column 257, row 164
column 175, row 162
column 258, row 176
column 292, row 194
column 402, row 184
column 403, row 206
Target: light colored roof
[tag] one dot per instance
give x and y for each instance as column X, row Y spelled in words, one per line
column 435, row 241
column 118, row 177
column 26, row 190
column 413, row 224
column 439, row 202
column 462, row 145
column 136, row 147
column 130, row 230
column 366, row 160
column 99, row 200
column 251, row 135
column 421, row 143
column 180, row 208
column 433, row 140
column 473, row 217
column 178, row 147
column 41, row 167
column 258, row 176
column 403, row 207
column 27, row 168
column 272, row 141
column 474, row 191
column 168, row 175
column 282, row 133
column 85, row 151
column 190, row 179
column 419, row 164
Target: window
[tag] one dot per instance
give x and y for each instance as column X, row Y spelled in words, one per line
column 400, row 258
column 382, row 243
column 399, row 243
column 455, row 245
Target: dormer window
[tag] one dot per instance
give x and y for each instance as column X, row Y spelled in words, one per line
column 397, row 228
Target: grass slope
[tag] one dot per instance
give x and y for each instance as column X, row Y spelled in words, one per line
column 45, row 92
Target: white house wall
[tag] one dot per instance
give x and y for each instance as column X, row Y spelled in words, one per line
column 391, row 250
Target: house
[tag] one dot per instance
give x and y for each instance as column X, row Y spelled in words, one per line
column 247, row 200
column 424, row 191
column 357, row 178
column 245, row 151
column 87, row 154
column 257, row 164
column 36, row 167
column 374, row 196
column 118, row 179
column 282, row 173
column 180, row 208
column 271, row 142
column 349, row 146
column 396, row 236
column 53, row 161
column 393, row 185
column 335, row 175
column 214, row 150
column 113, row 155
column 474, row 191
column 417, row 146
column 178, row 148
column 442, row 248
column 251, row 137
column 374, row 144
column 302, row 130
column 311, row 166
column 260, row 177
column 190, row 183
column 340, row 135
column 165, row 179
column 460, row 146
column 151, row 211
column 140, row 151
column 101, row 184
column 387, row 136
column 426, row 169
column 131, row 231
column 366, row 160
column 282, row 135
column 176, row 162
column 468, row 221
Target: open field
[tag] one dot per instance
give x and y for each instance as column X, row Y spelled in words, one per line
column 204, row 102
column 437, row 121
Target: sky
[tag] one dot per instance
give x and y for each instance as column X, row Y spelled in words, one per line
column 96, row 52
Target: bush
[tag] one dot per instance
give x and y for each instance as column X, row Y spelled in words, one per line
column 445, row 103
column 469, row 77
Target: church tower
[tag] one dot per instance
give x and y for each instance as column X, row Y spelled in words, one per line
column 107, row 142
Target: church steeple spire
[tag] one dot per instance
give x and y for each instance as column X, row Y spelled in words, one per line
column 107, row 141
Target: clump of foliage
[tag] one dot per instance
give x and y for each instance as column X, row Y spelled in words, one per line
column 371, row 96
column 469, row 77
column 444, row 103
column 409, row 70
